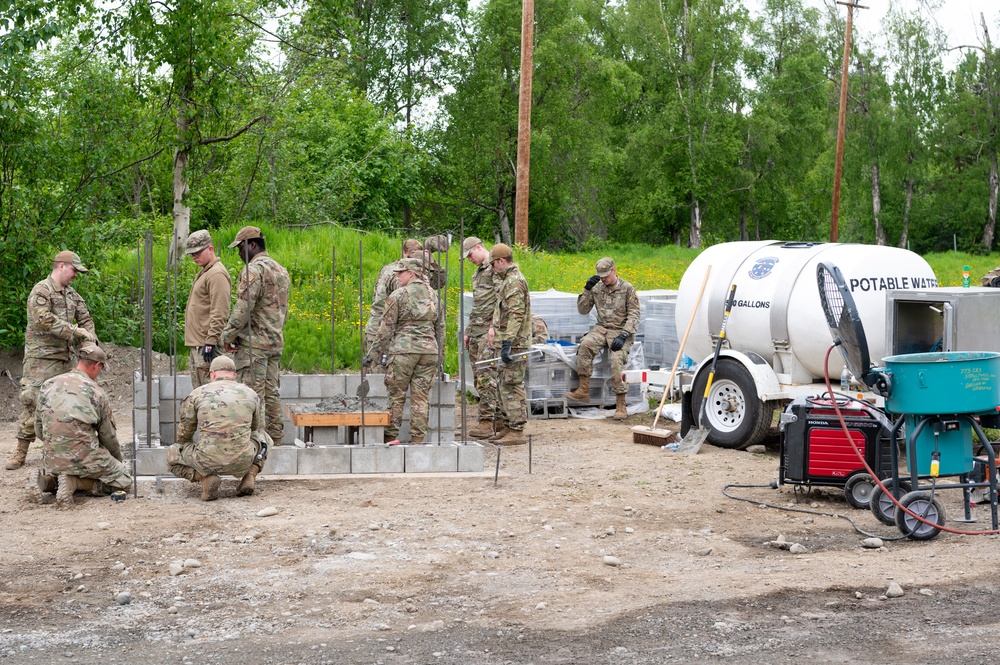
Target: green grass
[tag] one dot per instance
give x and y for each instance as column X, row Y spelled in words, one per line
column 111, row 289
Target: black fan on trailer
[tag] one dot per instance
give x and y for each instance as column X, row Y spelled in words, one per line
column 845, row 326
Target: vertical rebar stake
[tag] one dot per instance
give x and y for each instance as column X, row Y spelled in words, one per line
column 147, row 350
column 461, row 321
column 333, row 309
column 496, row 474
column 529, row 454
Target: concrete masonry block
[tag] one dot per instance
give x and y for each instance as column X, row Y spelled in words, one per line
column 431, row 459
column 376, row 384
column 289, row 432
column 139, row 418
column 282, row 461
column 310, row 386
column 139, row 396
column 471, row 457
column 333, row 385
column 151, row 462
column 332, row 459
column 377, row 459
column 433, row 436
column 176, row 386
column 169, row 410
column 289, row 386
column 373, row 435
column 168, row 433
column 328, row 436
column 446, row 395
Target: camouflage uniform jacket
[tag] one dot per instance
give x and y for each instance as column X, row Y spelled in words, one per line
column 261, row 295
column 512, row 313
column 54, row 317
column 74, row 418
column 410, row 322
column 208, row 305
column 385, row 284
column 617, row 306
column 225, row 413
column 539, row 330
column 484, row 301
column 992, row 278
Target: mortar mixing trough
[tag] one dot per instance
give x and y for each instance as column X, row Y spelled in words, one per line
column 935, row 399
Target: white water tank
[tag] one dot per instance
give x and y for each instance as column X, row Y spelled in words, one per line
column 777, row 314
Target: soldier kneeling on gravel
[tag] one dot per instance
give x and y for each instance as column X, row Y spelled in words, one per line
column 232, row 440
column 80, row 449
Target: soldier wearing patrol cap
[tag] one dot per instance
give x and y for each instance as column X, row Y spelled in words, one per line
column 385, row 284
column 231, row 438
column 409, row 335
column 80, row 449
column 484, row 300
column 207, row 306
column 255, row 331
column 511, row 327
column 617, row 306
column 57, row 319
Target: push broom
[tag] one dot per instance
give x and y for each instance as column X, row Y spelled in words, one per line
column 659, row 437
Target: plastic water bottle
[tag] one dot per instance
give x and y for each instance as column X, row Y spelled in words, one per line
column 965, row 277
column 845, row 381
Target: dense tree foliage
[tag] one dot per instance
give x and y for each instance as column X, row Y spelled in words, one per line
column 667, row 121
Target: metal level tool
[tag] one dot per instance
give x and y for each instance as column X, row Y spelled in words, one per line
column 520, row 356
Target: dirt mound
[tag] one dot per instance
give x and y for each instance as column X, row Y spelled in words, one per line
column 116, row 378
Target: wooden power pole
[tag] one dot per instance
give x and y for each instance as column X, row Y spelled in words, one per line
column 839, row 165
column 524, row 123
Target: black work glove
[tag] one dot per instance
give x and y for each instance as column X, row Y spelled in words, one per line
column 367, row 360
column 505, row 353
column 995, row 282
column 208, row 353
column 590, row 282
column 619, row 342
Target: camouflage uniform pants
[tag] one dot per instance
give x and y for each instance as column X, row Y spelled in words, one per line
column 415, row 371
column 198, row 368
column 264, row 378
column 36, row 371
column 593, row 343
column 97, row 464
column 511, row 397
column 185, row 460
column 487, row 381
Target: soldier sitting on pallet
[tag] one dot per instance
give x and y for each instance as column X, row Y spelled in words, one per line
column 617, row 321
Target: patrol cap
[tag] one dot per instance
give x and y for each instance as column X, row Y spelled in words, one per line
column 500, row 251
column 198, row 241
column 93, row 353
column 247, row 233
column 416, row 265
column 67, row 256
column 438, row 243
column 222, row 364
column 412, row 246
column 468, row 244
column 605, row 266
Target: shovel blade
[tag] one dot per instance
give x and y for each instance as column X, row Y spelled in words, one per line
column 363, row 389
column 691, row 443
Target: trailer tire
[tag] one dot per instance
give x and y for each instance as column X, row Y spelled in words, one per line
column 735, row 416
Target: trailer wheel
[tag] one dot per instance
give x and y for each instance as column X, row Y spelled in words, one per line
column 858, row 490
column 925, row 505
column 882, row 506
column 735, row 416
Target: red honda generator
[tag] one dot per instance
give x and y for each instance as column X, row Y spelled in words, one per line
column 815, row 450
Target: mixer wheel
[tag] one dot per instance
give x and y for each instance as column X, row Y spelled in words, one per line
column 735, row 415
column 858, row 490
column 927, row 506
column 882, row 506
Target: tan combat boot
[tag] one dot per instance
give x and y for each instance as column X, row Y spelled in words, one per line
column 17, row 457
column 511, row 437
column 582, row 392
column 501, row 431
column 210, row 487
column 417, row 440
column 248, row 482
column 67, row 488
column 483, row 430
column 621, row 412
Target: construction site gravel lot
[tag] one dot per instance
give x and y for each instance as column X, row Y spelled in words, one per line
column 606, row 552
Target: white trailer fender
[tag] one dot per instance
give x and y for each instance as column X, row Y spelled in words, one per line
column 762, row 374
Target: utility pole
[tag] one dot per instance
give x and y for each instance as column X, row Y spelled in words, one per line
column 839, row 166
column 524, row 123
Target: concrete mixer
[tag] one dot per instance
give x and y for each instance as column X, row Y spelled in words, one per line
column 777, row 334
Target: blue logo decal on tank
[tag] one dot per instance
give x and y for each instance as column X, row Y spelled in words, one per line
column 763, row 267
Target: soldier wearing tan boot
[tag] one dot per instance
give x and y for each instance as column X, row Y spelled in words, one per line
column 617, row 306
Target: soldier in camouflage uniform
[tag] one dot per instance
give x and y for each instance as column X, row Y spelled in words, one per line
column 539, row 330
column 992, row 278
column 231, row 437
column 207, row 306
column 617, row 306
column 385, row 284
column 410, row 334
column 484, row 300
column 57, row 317
column 79, row 442
column 261, row 300
column 511, row 326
